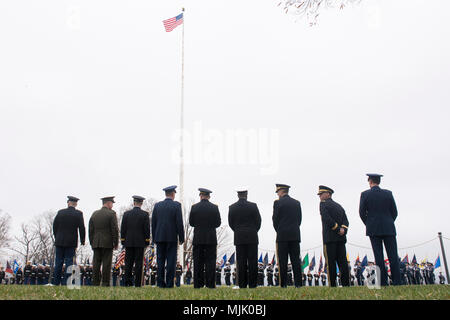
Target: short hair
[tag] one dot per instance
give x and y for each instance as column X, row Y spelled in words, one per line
column 375, row 180
column 169, row 192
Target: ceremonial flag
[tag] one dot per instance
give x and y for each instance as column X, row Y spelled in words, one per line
column 266, row 259
column 364, row 263
column 260, row 258
column 15, row 266
column 405, row 259
column 357, row 260
column 348, row 260
column 337, row 268
column 312, row 264
column 8, row 268
column 232, row 258
column 120, row 259
column 224, row 260
column 414, row 260
column 386, row 262
column 172, row 23
column 437, row 264
column 305, row 262
column 273, row 260
column 320, row 265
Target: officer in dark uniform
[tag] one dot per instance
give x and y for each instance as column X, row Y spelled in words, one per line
column 277, row 277
column 46, row 274
column 287, row 217
column 323, row 278
column 27, row 273
column 310, row 278
column 334, row 230
column 352, row 280
column 40, row 274
column 316, row 279
column 205, row 218
column 115, row 275
column 245, row 220
column 260, row 278
column 33, row 274
column 227, row 272
column 178, row 273
column 2, row 275
column 441, row 278
column 153, row 275
column 218, row 274
column 378, row 212
column 188, row 276
column 89, row 272
column 66, row 226
column 168, row 232
column 135, row 236
column 290, row 277
column 19, row 275
column 269, row 276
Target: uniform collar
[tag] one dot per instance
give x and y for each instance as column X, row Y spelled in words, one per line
column 375, row 187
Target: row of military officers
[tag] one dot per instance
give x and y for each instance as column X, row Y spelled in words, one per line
column 377, row 211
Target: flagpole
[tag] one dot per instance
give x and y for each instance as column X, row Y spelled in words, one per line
column 181, row 136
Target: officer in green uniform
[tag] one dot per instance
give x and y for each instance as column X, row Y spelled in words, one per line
column 104, row 237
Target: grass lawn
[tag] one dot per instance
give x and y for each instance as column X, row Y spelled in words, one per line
column 429, row 292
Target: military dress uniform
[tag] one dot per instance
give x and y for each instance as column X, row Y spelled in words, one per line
column 188, row 276
column 310, row 279
column 287, row 217
column 204, row 218
column 66, row 226
column 135, row 236
column 245, row 221
column 27, row 273
column 178, row 273
column 19, row 275
column 333, row 218
column 40, row 275
column 227, row 272
column 167, row 231
column 316, row 279
column 378, row 212
column 269, row 276
column 103, row 236
column 218, row 275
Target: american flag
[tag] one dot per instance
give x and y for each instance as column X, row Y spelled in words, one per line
column 120, row 259
column 172, row 23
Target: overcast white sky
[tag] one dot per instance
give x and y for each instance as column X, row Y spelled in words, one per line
column 90, row 98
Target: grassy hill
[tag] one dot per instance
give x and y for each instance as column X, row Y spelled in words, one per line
column 431, row 292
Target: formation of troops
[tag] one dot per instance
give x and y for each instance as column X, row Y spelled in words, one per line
column 377, row 211
column 42, row 274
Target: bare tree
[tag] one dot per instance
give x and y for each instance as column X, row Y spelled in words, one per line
column 311, row 8
column 5, row 226
column 44, row 246
column 26, row 242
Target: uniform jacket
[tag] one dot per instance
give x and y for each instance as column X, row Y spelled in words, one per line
column 333, row 218
column 135, row 228
column 378, row 212
column 103, row 229
column 167, row 222
column 66, row 225
column 205, row 218
column 287, row 217
column 244, row 219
